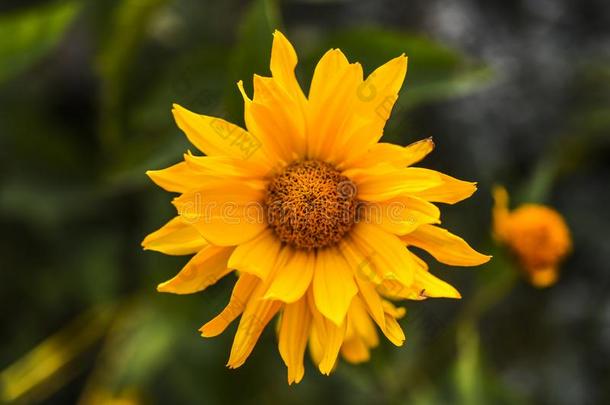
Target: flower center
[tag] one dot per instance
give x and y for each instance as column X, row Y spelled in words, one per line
column 311, row 204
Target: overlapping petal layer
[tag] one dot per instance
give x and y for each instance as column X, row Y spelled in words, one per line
column 330, row 299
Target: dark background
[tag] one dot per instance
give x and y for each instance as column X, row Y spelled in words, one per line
column 513, row 92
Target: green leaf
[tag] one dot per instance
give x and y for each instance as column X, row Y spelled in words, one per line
column 27, row 36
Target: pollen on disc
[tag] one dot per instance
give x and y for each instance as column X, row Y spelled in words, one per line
column 311, row 205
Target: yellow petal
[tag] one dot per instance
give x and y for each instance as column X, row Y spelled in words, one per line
column 283, row 62
column 396, row 291
column 244, row 287
column 326, row 338
column 387, row 253
column 361, row 264
column 333, row 285
column 370, row 297
column 293, row 334
column 393, row 331
column 226, row 214
column 178, row 178
column 421, row 210
column 360, row 321
column 347, row 152
column 277, row 118
column 425, row 286
column 258, row 256
column 381, row 86
column 355, row 350
column 331, row 100
column 385, row 181
column 445, row 246
column 292, row 279
column 223, row 167
column 395, row 154
column 431, row 286
column 392, row 310
column 271, row 150
column 316, row 350
column 415, row 152
column 400, row 215
column 256, row 316
column 217, row 137
column 175, row 238
column 204, row 269
column 449, row 191
column 375, row 98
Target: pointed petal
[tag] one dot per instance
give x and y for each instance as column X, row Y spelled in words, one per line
column 396, row 155
column 361, row 264
column 332, row 340
column 445, row 246
column 333, row 285
column 258, row 256
column 372, row 301
column 224, row 167
column 375, row 98
column 316, row 350
column 332, row 96
column 291, row 281
column 217, row 137
column 242, row 291
column 425, row 286
column 204, row 269
column 392, row 310
column 283, row 62
column 293, row 334
column 256, row 316
column 387, row 253
column 226, row 214
column 268, row 146
column 175, row 238
column 355, row 351
column 433, row 287
column 326, row 339
column 383, row 85
column 393, row 331
column 385, row 181
column 277, row 118
column 361, row 323
column 449, row 191
column 178, row 178
column 400, row 215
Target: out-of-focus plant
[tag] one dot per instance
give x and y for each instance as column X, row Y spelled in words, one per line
column 54, row 361
column 27, row 36
column 138, row 339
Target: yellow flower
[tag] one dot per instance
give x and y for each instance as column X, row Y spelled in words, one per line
column 536, row 234
column 313, row 213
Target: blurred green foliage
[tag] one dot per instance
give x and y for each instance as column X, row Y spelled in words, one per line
column 28, row 36
column 76, row 204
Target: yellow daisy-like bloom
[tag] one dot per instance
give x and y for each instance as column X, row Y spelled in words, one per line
column 314, row 214
column 536, row 234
